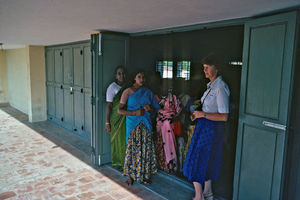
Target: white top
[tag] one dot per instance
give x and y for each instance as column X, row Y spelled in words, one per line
column 111, row 91
column 216, row 97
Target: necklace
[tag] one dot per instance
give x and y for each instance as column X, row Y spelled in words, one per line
column 134, row 87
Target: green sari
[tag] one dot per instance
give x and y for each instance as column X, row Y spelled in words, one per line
column 118, row 132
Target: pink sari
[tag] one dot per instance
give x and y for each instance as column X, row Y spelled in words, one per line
column 171, row 108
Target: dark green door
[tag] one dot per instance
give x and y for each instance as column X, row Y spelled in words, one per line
column 267, row 75
column 58, row 76
column 108, row 51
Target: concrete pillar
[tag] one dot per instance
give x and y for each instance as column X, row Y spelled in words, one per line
column 37, row 109
column 3, row 78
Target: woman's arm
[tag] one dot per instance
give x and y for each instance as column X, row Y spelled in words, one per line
column 123, row 111
column 108, row 113
column 211, row 116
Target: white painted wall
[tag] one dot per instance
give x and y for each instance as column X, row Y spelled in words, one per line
column 18, row 79
column 3, row 78
column 37, row 88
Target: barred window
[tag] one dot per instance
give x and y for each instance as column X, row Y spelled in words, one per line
column 165, row 68
column 184, row 69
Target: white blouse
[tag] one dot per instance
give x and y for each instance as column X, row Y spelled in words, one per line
column 111, row 91
column 216, row 98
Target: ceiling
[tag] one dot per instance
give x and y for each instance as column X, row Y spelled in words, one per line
column 48, row 22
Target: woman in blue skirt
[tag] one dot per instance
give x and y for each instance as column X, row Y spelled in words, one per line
column 204, row 157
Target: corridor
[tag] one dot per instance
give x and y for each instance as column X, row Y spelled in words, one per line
column 37, row 164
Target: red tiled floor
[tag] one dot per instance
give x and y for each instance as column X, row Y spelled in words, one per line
column 33, row 167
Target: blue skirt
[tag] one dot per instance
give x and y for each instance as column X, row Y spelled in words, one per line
column 204, row 156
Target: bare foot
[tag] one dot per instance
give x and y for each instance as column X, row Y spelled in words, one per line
column 199, row 198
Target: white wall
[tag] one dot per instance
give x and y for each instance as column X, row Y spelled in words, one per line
column 3, row 78
column 17, row 78
column 37, row 88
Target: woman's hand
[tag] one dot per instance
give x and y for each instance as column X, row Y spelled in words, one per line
column 198, row 114
column 211, row 116
column 139, row 112
column 147, row 108
column 107, row 127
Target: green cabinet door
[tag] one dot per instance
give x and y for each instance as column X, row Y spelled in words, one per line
column 58, row 75
column 50, row 84
column 87, row 90
column 78, row 90
column 267, row 76
column 109, row 50
column 68, row 66
column 50, row 101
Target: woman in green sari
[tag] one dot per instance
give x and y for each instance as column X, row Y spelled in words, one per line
column 115, row 123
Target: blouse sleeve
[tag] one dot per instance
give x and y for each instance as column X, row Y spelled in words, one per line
column 222, row 100
column 125, row 95
column 110, row 94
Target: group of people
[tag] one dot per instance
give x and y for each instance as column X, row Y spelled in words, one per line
column 143, row 125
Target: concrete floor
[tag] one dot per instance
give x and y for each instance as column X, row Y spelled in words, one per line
column 36, row 162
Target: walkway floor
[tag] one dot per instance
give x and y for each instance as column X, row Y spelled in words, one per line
column 38, row 165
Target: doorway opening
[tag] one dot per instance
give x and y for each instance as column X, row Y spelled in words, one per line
column 177, row 58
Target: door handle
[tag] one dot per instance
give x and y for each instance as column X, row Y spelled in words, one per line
column 274, row 125
column 71, row 90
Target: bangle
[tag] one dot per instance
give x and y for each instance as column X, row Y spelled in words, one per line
column 204, row 114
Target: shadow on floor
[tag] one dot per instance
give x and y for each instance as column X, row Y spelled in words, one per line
column 165, row 185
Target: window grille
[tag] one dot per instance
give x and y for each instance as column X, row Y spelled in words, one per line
column 184, row 69
column 165, row 68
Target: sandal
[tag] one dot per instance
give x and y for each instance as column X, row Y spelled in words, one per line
column 129, row 182
column 146, row 182
column 209, row 196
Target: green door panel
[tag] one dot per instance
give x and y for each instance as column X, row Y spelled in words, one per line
column 88, row 114
column 59, row 103
column 88, row 90
column 58, row 68
column 78, row 66
column 87, row 67
column 79, row 111
column 257, row 163
column 58, row 76
column 265, row 101
column 68, row 109
column 69, row 86
column 51, row 100
column 113, row 55
column 265, row 97
column 109, row 51
column 68, row 67
column 50, row 65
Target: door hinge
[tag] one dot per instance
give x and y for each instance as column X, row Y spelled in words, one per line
column 62, row 119
column 60, row 53
column 81, row 52
column 99, row 160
